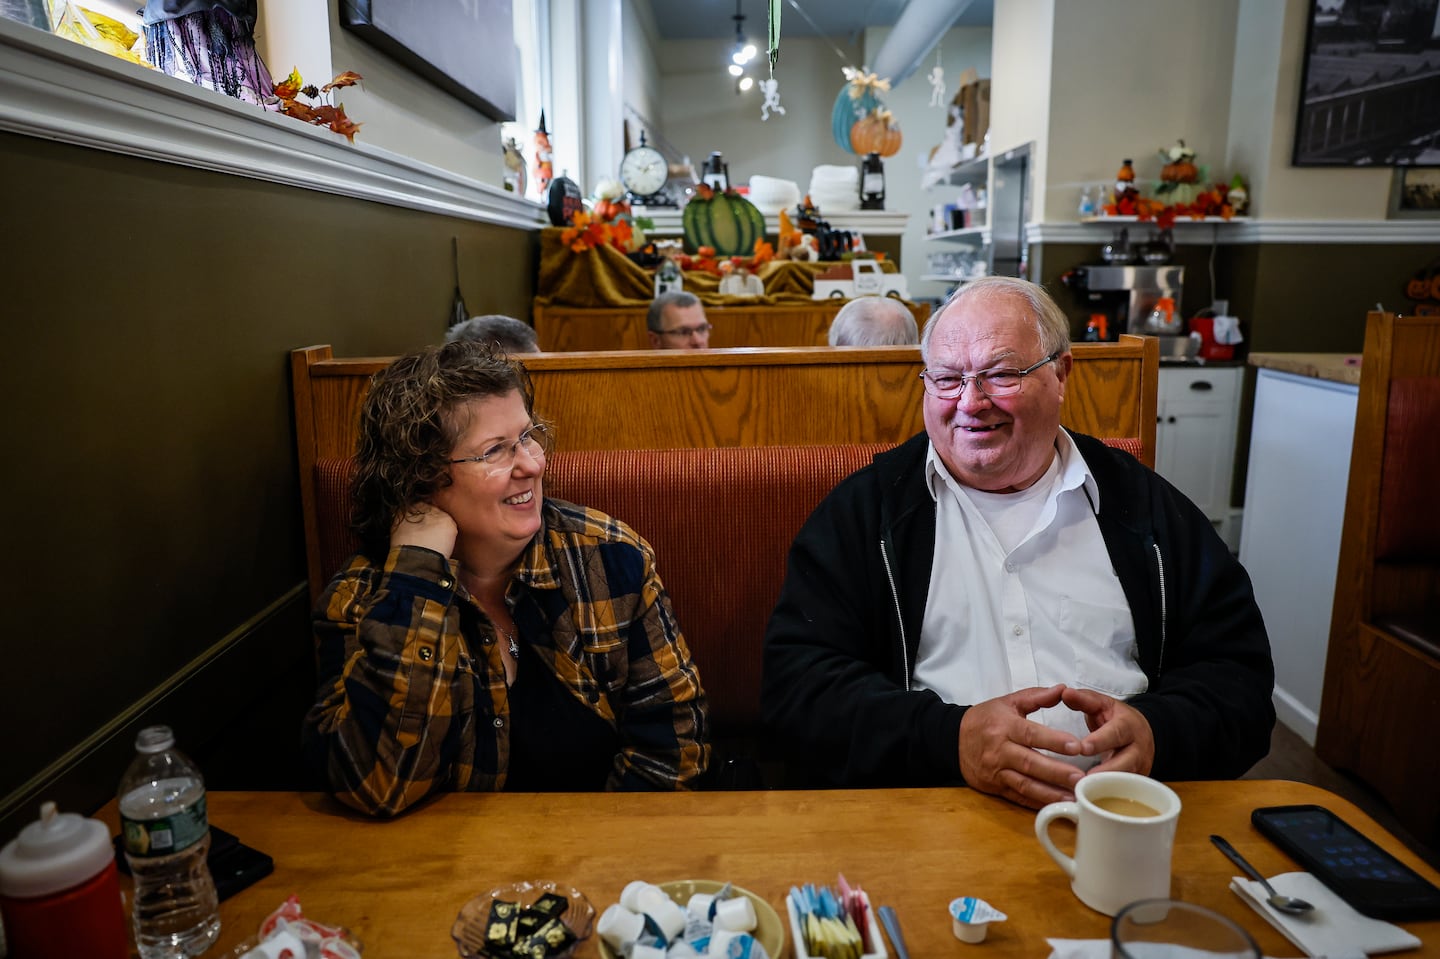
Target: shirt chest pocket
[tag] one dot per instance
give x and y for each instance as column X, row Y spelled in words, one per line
column 1102, row 637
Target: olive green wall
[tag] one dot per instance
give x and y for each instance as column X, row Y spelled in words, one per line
column 156, row 567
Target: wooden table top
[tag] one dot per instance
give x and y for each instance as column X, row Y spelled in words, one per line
column 399, row 884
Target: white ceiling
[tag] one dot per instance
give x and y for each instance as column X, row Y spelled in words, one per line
column 836, row 19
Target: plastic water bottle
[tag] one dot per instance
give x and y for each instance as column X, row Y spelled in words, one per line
column 167, row 838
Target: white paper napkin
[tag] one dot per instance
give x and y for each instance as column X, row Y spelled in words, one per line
column 1333, row 929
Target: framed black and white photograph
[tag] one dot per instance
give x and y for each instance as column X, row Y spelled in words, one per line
column 1370, row 90
column 465, row 47
column 1415, row 194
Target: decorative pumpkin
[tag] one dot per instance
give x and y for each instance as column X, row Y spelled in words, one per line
column 1180, row 166
column 726, row 221
column 1418, row 288
column 876, row 132
column 860, row 95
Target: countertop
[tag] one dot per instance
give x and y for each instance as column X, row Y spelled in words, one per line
column 1321, row 366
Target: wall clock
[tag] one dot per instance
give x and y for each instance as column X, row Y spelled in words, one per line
column 643, row 172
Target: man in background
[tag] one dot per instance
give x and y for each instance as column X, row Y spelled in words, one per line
column 505, row 332
column 874, row 321
column 676, row 321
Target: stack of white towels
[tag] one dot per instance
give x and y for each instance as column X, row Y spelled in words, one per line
column 835, row 189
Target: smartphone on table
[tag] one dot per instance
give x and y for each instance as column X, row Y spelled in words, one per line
column 1356, row 868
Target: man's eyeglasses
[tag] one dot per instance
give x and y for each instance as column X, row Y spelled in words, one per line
column 947, row 384
column 500, row 458
column 685, row 332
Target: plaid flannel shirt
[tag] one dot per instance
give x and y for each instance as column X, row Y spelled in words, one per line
column 413, row 697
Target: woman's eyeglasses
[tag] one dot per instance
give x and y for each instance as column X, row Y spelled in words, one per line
column 500, row 458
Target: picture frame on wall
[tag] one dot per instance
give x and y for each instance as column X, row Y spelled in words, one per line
column 465, row 48
column 1414, row 194
column 1370, row 82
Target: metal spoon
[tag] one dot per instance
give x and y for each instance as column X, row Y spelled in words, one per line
column 1288, row 904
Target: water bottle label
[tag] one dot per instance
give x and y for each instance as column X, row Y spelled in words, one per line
column 168, row 834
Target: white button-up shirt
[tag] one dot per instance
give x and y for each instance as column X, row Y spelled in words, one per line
column 1022, row 593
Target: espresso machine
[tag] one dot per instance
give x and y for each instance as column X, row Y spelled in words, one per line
column 1133, row 299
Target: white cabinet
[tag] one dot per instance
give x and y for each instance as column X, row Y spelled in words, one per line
column 1197, row 415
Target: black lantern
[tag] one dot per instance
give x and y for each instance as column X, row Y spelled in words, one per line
column 872, row 183
column 716, row 173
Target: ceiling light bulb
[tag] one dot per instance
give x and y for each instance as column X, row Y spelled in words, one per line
column 749, row 51
column 738, row 57
column 746, row 83
column 736, row 69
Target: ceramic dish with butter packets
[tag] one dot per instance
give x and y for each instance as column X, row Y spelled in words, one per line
column 541, row 919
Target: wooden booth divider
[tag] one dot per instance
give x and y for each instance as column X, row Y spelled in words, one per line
column 1382, row 669
column 571, row 329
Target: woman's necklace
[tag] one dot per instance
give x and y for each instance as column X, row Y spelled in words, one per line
column 510, row 638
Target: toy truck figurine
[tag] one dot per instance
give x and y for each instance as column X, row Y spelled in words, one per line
column 859, row 278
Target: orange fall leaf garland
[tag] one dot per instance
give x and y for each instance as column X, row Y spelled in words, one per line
column 289, row 90
column 585, row 233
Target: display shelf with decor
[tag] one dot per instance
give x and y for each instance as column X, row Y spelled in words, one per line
column 982, row 233
column 974, row 170
column 1179, row 220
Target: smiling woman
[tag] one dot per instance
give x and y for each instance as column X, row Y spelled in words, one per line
column 486, row 637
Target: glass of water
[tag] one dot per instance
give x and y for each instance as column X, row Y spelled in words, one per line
column 1170, row 929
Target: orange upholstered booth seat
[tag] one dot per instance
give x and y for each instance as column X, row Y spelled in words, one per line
column 720, row 520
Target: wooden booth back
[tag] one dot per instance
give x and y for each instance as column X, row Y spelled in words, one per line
column 1382, row 668
column 571, row 328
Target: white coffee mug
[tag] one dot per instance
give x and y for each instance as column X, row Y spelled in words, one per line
column 1125, row 831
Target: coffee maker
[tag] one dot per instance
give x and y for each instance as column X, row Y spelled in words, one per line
column 1127, row 298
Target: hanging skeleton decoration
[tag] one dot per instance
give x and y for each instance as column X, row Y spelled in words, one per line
column 937, row 83
column 770, row 87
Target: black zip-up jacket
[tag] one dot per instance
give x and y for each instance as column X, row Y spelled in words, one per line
column 841, row 644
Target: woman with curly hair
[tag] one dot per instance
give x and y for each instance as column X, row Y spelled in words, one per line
column 486, row 637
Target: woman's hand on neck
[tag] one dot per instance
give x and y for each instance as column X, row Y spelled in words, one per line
column 426, row 526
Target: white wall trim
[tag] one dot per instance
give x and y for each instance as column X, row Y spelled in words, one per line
column 59, row 90
column 1249, row 231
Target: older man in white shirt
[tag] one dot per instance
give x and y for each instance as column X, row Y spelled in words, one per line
column 1004, row 603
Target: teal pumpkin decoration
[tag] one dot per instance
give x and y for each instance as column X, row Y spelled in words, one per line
column 726, row 221
column 847, row 110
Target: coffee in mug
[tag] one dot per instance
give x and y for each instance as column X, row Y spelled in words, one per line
column 1125, row 832
column 1124, row 806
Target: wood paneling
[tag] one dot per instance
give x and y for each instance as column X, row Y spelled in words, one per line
column 572, row 329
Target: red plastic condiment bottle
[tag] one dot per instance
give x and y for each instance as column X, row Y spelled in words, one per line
column 59, row 890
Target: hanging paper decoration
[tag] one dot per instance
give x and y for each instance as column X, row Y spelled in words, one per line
column 937, row 83
column 859, row 96
column 770, row 87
